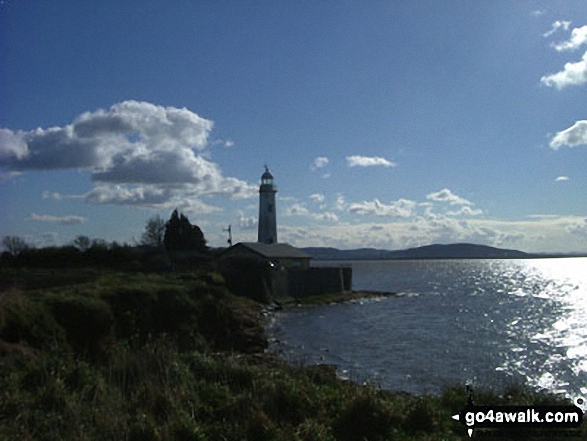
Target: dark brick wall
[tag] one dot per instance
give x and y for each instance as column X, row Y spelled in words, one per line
column 311, row 281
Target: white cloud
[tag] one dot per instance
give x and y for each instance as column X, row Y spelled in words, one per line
column 578, row 228
column 445, row 195
column 131, row 138
column 296, row 210
column 401, row 208
column 226, row 143
column 148, row 196
column 317, row 198
column 58, row 196
column 556, row 26
column 574, row 74
column 319, row 162
column 134, row 151
column 562, row 178
column 189, row 206
column 52, row 195
column 538, row 12
column 544, row 216
column 340, row 203
column 326, row 216
column 562, row 233
column 444, row 229
column 280, row 198
column 577, row 39
column 12, row 145
column 300, row 210
column 160, row 167
column 103, row 141
column 574, row 136
column 368, row 161
column 246, row 222
column 7, row 176
column 64, row 220
column 465, row 210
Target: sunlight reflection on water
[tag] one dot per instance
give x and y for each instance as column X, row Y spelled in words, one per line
column 489, row 322
column 564, row 343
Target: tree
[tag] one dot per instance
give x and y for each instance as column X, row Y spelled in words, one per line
column 154, row 232
column 14, row 244
column 82, row 243
column 181, row 235
column 99, row 244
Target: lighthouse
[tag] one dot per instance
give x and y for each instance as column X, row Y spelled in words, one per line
column 267, row 217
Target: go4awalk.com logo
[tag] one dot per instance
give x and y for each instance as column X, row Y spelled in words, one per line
column 543, row 418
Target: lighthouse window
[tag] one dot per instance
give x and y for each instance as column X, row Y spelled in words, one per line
column 270, row 208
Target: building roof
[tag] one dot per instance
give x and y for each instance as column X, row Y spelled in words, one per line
column 272, row 250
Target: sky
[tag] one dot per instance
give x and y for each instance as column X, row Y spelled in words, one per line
column 386, row 124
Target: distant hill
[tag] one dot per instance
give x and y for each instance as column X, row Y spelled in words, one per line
column 452, row 251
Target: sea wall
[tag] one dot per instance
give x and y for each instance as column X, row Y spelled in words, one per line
column 298, row 283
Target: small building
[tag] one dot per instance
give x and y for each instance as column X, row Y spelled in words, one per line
column 279, row 255
column 284, row 272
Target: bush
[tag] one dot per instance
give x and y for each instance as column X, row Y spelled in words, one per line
column 36, row 279
column 419, row 419
column 287, row 402
column 176, row 313
column 261, row 428
column 87, row 321
column 132, row 308
column 148, row 310
column 364, row 418
column 23, row 320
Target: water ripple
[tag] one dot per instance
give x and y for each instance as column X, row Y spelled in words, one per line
column 488, row 322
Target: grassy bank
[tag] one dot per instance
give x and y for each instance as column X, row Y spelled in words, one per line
column 154, row 357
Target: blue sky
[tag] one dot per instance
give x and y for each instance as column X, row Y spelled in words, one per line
column 386, row 124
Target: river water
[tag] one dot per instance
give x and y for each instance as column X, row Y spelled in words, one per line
column 482, row 322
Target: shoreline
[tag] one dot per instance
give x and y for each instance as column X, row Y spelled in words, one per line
column 332, row 299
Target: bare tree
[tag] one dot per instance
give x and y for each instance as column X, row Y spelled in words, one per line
column 14, row 244
column 154, row 232
column 82, row 243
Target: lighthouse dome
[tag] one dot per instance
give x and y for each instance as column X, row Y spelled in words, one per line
column 267, row 174
column 267, row 177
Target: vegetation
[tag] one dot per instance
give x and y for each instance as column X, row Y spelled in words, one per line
column 14, row 244
column 82, row 243
column 154, row 232
column 175, row 244
column 98, row 254
column 181, row 235
column 90, row 354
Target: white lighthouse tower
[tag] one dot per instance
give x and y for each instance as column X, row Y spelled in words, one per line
column 267, row 217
